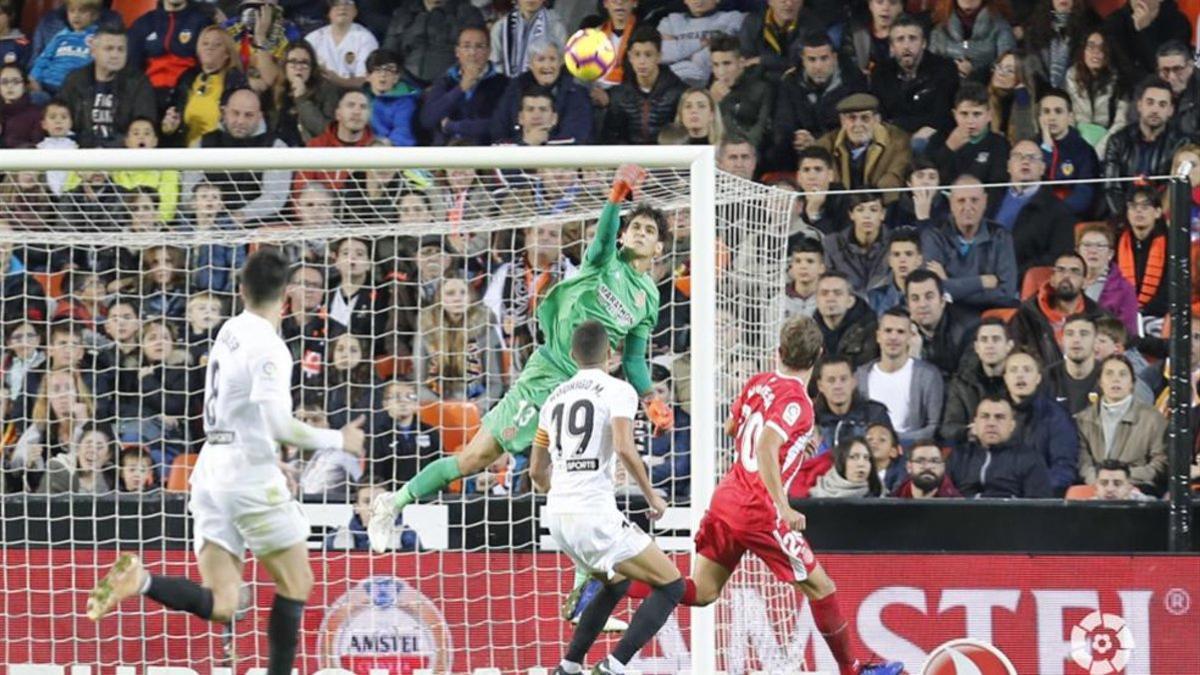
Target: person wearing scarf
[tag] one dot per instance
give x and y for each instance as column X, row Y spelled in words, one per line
column 1039, row 322
column 529, row 20
column 851, row 475
column 768, row 38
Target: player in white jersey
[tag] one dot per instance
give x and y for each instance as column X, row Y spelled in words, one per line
column 585, row 424
column 240, row 497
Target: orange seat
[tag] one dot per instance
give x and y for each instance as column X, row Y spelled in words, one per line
column 52, row 283
column 1081, row 492
column 456, row 421
column 1035, row 278
column 181, row 471
column 131, row 10
column 1005, row 314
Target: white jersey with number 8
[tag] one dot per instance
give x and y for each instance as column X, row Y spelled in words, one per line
column 577, row 418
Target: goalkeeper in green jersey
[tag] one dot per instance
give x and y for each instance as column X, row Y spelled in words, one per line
column 613, row 286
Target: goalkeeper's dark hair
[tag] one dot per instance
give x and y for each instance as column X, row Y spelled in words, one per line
column 657, row 215
column 589, row 343
column 264, row 276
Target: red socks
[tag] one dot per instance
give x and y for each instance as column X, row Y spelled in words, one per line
column 836, row 631
column 641, row 589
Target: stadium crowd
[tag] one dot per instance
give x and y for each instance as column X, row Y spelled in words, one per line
column 999, row 341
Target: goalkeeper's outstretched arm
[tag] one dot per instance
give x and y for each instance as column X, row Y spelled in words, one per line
column 604, row 244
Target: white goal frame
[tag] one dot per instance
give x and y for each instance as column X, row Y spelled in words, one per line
column 700, row 161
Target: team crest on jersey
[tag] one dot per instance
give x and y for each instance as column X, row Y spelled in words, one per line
column 268, row 369
column 639, row 299
column 185, row 36
column 791, row 413
column 1067, row 168
column 509, row 433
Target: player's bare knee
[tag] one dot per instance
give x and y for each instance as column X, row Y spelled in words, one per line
column 296, row 583
column 705, row 596
column 225, row 603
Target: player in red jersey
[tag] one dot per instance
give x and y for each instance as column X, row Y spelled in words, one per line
column 772, row 424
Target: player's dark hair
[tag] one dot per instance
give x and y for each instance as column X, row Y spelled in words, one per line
column 264, row 276
column 841, row 453
column 657, row 215
column 800, row 342
column 808, row 245
column 921, row 276
column 589, row 343
column 1113, row 465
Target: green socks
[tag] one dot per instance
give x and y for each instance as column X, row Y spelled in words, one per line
column 431, row 479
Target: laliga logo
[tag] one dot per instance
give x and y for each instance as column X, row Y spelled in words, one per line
column 384, row 623
column 966, row 656
column 1101, row 643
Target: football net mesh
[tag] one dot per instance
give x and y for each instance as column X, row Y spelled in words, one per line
column 411, row 304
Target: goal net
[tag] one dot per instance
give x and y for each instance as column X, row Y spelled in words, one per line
column 411, row 305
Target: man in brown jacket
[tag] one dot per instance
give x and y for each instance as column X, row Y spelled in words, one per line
column 866, row 151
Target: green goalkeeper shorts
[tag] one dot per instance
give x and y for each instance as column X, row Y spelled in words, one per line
column 514, row 420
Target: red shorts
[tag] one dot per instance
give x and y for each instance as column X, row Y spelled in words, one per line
column 785, row 551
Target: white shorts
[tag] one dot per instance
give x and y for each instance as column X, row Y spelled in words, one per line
column 264, row 519
column 597, row 543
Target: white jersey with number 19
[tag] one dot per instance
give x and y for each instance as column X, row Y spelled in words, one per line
column 249, row 367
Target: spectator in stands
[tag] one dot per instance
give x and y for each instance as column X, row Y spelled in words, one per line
column 860, row 251
column 205, row 313
column 768, row 35
column 22, row 118
column 107, row 96
column 1104, row 284
column 357, row 303
column 22, row 296
column 152, row 409
column 356, row 529
column 840, row 411
column 263, row 36
column 1142, row 250
column 924, row 204
column 536, row 119
column 846, row 320
column 163, row 283
column 1174, row 64
column 56, row 123
column 393, row 99
column 62, row 407
column 903, row 258
column 516, row 288
column 1065, row 153
column 424, row 34
column 120, row 357
column 1114, row 482
column 698, row 115
column 975, row 379
column 994, row 464
column 1119, row 427
column 457, row 105
column 571, row 102
column 1012, row 94
column 944, row 328
column 351, row 389
column 83, row 303
column 86, row 468
column 971, row 147
column 343, row 46
column 1137, row 31
column 23, row 356
column 93, row 201
column 214, row 264
column 137, row 470
column 404, row 444
column 973, row 256
column 620, row 24
column 458, row 348
column 736, row 155
column 885, row 452
column 806, row 104
column 1112, row 338
column 852, row 473
column 1098, row 91
column 1073, row 379
column 927, row 476
column 252, row 196
column 865, row 40
column 513, row 34
column 746, row 100
column 647, row 98
column 14, row 46
column 1038, row 324
column 304, row 327
column 911, row 389
column 1052, row 34
column 69, row 49
column 1043, row 424
column 817, row 214
column 54, row 20
column 973, row 34
column 689, row 38
column 916, row 87
column 669, row 459
column 1042, row 227
column 304, row 101
column 806, row 264
column 164, row 42
column 195, row 101
column 350, row 128
column 1144, row 148
column 162, row 184
column 867, row 152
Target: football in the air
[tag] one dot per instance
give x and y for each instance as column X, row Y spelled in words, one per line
column 589, row 54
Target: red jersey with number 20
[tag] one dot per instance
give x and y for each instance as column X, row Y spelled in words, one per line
column 781, row 403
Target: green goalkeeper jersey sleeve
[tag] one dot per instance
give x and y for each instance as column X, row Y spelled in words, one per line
column 606, row 288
